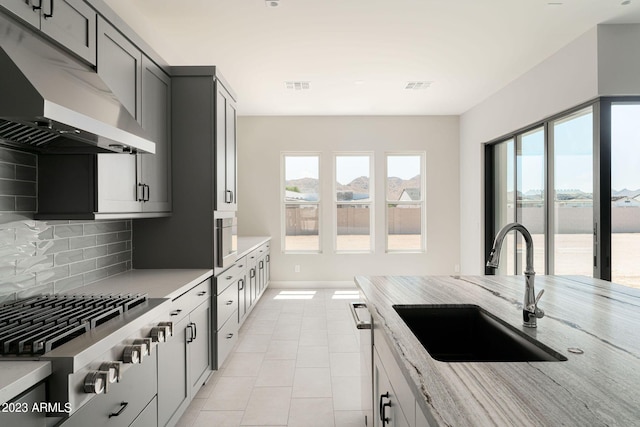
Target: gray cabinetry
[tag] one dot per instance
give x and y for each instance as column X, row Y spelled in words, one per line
column 125, row 401
column 387, row 411
column 135, row 183
column 71, row 23
column 226, row 189
column 184, row 362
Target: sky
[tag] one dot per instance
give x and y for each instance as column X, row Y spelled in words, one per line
column 574, row 153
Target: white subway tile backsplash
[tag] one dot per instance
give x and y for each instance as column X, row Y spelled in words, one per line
column 50, row 256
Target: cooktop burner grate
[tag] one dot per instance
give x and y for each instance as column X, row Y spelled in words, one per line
column 39, row 324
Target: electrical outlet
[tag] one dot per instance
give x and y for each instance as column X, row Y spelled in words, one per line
column 456, row 268
column 296, row 268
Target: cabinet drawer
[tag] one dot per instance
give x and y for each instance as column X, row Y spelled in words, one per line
column 185, row 303
column 128, row 397
column 226, row 338
column 226, row 305
column 199, row 294
column 228, row 277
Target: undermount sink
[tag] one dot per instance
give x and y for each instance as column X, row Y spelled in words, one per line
column 468, row 333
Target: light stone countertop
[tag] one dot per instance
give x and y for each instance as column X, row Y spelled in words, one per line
column 17, row 376
column 247, row 244
column 600, row 387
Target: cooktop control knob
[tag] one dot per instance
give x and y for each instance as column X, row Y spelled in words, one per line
column 112, row 370
column 168, row 327
column 157, row 334
column 145, row 343
column 95, row 382
column 132, row 354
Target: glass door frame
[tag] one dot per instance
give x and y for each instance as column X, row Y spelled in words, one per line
column 601, row 110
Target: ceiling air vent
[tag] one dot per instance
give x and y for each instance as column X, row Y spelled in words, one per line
column 417, row 85
column 297, row 85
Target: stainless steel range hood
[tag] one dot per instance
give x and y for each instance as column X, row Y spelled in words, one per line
column 52, row 102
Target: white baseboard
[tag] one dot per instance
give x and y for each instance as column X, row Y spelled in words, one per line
column 312, row 284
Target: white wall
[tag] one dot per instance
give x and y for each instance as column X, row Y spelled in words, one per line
column 567, row 78
column 602, row 62
column 261, row 140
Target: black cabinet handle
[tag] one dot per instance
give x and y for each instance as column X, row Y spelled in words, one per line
column 381, row 406
column 38, row 7
column 268, row 258
column 229, row 336
column 240, row 284
column 175, row 312
column 202, row 293
column 123, row 406
column 140, row 189
column 229, row 302
column 146, row 199
column 50, row 14
column 192, row 332
column 383, row 415
column 195, row 331
column 261, row 265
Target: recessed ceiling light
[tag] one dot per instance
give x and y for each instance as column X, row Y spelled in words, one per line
column 272, row 3
column 417, row 85
column 300, row 85
column 359, row 82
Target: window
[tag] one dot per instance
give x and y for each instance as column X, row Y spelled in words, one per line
column 353, row 198
column 405, row 202
column 301, row 203
column 555, row 155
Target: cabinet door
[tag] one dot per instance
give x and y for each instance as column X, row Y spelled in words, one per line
column 387, row 412
column 231, row 155
column 72, row 23
column 148, row 417
column 23, row 9
column 156, row 118
column 242, row 296
column 117, row 183
column 173, row 383
column 199, row 346
column 26, row 418
column 225, row 150
column 120, row 66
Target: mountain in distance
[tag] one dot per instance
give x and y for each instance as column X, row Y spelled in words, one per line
column 304, row 185
column 625, row 193
column 360, row 185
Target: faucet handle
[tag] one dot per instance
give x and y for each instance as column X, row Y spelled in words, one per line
column 533, row 308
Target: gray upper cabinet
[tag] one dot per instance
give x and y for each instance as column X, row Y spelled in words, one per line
column 71, row 23
column 226, row 191
column 138, row 183
column 120, row 66
column 155, row 169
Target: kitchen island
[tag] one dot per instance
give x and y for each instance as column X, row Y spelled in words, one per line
column 599, row 387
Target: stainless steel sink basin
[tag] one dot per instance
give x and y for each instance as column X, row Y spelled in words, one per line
column 468, row 333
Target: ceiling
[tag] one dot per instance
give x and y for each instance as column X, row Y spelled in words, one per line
column 358, row 55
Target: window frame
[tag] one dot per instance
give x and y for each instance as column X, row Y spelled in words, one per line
column 284, row 203
column 370, row 202
column 421, row 203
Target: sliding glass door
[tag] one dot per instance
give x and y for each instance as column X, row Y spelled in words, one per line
column 625, row 193
column 572, row 217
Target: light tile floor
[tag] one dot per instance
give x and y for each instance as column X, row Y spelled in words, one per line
column 296, row 364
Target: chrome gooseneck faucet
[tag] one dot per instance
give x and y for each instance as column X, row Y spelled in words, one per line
column 530, row 310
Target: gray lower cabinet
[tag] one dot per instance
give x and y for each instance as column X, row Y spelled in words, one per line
column 70, row 23
column 387, row 410
column 184, row 361
column 148, row 417
column 126, row 400
column 20, row 413
column 394, row 402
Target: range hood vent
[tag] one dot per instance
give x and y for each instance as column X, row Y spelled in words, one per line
column 51, row 102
